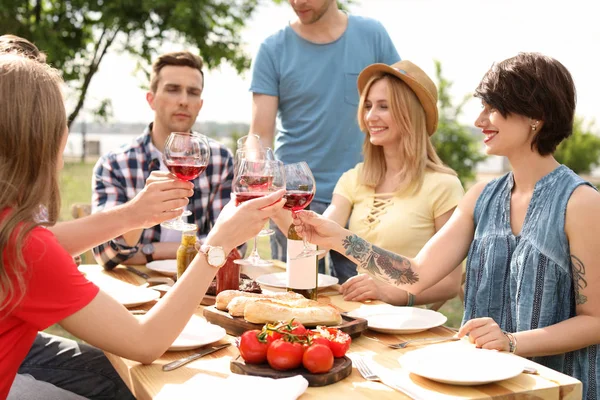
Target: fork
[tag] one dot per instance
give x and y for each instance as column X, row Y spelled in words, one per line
column 369, row 375
column 402, row 345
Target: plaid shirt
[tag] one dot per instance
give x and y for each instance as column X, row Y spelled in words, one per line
column 121, row 175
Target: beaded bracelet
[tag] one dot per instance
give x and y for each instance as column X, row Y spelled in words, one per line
column 411, row 300
column 512, row 342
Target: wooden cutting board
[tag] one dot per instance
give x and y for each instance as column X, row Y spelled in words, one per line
column 342, row 367
column 235, row 326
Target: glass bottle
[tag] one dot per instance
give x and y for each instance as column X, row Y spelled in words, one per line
column 186, row 251
column 302, row 273
column 228, row 276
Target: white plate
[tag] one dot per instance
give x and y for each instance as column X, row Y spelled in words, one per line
column 166, row 267
column 460, row 364
column 390, row 319
column 133, row 296
column 278, row 280
column 197, row 333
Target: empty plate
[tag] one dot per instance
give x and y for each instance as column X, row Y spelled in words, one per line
column 279, row 280
column 390, row 319
column 197, row 333
column 461, row 363
column 132, row 296
column 166, row 267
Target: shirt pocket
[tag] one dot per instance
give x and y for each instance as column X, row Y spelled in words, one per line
column 350, row 88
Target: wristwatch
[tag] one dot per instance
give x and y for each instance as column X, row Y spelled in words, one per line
column 148, row 250
column 215, row 255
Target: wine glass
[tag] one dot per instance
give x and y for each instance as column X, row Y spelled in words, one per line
column 256, row 179
column 186, row 155
column 254, row 154
column 300, row 190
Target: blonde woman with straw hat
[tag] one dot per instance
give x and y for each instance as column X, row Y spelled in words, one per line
column 402, row 193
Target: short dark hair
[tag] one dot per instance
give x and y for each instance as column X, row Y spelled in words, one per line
column 535, row 86
column 22, row 47
column 177, row 58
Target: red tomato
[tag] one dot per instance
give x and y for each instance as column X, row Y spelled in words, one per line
column 283, row 355
column 339, row 342
column 253, row 347
column 316, row 337
column 318, row 358
column 293, row 327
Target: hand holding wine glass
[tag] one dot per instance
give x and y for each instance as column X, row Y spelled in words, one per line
column 186, row 155
column 300, row 191
column 256, row 179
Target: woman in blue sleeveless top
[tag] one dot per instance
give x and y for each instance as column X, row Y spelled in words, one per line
column 533, row 275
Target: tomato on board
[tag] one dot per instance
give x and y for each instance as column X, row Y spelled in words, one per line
column 339, row 342
column 253, row 347
column 283, row 355
column 317, row 358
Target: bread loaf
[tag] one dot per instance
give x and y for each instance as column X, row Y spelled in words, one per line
column 237, row 306
column 224, row 298
column 267, row 311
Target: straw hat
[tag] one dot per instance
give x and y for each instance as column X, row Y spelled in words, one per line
column 416, row 79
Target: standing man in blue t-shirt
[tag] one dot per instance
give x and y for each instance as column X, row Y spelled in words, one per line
column 305, row 75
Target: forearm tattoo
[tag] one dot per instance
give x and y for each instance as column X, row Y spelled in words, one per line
column 391, row 266
column 578, row 270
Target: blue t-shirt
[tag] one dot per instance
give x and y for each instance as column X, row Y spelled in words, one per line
column 318, row 96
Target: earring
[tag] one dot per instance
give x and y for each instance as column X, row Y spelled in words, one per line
column 534, row 126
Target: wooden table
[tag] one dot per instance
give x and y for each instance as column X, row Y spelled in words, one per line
column 150, row 382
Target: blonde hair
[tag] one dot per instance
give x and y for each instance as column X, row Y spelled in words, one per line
column 416, row 150
column 32, row 127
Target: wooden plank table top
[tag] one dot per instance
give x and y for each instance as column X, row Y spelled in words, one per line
column 150, row 382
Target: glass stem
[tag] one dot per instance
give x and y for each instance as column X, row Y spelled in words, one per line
column 255, row 249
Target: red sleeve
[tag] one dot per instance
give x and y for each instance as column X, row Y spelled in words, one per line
column 55, row 287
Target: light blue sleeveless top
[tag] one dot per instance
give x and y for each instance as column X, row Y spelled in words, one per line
column 524, row 282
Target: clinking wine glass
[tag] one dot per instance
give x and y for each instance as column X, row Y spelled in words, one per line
column 186, row 155
column 300, row 191
column 253, row 154
column 255, row 179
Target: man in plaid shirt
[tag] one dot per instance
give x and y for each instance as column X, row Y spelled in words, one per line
column 175, row 94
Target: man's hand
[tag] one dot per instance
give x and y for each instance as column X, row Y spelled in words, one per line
column 163, row 198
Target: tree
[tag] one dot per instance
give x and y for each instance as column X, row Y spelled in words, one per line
column 453, row 142
column 581, row 151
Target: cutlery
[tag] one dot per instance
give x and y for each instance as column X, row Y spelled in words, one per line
column 369, row 375
column 137, row 272
column 402, row 345
column 178, row 363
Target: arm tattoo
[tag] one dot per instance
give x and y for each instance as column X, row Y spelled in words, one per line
column 578, row 271
column 377, row 261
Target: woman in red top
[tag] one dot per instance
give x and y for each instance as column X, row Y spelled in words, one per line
column 39, row 282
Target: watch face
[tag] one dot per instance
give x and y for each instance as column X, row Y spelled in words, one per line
column 148, row 248
column 216, row 256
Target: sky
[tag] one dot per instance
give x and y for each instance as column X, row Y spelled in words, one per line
column 466, row 36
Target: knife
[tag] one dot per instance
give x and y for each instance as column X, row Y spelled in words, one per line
column 178, row 363
column 137, row 272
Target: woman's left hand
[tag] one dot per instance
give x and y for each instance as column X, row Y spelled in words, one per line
column 485, row 333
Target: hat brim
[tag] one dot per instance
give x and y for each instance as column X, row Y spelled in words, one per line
column 427, row 101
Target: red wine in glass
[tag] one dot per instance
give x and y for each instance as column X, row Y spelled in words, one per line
column 296, row 200
column 245, row 196
column 184, row 169
column 259, row 183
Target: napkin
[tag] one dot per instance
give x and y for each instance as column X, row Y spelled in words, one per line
column 236, row 386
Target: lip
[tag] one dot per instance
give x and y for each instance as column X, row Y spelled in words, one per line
column 182, row 115
column 376, row 130
column 489, row 135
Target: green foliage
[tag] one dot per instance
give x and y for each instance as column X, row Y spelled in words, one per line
column 77, row 34
column 581, row 151
column 453, row 142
